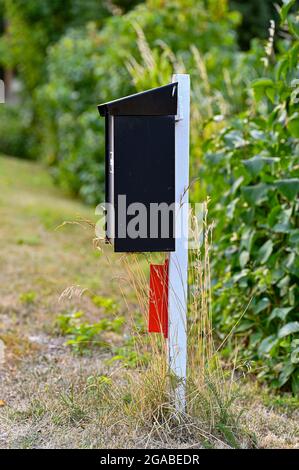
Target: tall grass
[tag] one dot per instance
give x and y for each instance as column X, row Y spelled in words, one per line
column 140, row 395
column 211, row 415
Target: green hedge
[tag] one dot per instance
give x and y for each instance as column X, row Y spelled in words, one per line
column 252, row 167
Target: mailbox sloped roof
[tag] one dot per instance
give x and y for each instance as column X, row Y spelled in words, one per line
column 161, row 101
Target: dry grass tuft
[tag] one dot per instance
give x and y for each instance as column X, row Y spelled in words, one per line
column 210, row 415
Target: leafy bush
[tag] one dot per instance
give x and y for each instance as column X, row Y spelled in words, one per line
column 90, row 66
column 15, row 137
column 253, row 174
column 32, row 26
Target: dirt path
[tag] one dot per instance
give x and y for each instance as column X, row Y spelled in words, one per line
column 49, row 396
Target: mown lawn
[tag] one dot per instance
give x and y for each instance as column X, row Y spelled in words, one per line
column 49, row 395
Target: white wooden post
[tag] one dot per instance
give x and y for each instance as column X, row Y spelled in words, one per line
column 178, row 260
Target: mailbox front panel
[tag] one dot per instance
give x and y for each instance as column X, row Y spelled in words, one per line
column 144, row 172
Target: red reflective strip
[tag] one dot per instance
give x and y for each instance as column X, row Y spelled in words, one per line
column 158, row 302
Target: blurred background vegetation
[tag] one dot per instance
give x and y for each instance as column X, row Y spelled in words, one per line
column 60, row 59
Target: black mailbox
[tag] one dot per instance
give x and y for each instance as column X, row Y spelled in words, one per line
column 140, row 168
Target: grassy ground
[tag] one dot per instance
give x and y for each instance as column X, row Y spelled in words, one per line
column 51, row 397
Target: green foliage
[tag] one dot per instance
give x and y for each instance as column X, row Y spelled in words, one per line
column 171, row 26
column 130, row 355
column 84, row 336
column 28, row 297
column 282, row 402
column 91, row 66
column 15, row 136
column 32, row 26
column 256, row 15
column 253, row 177
column 108, row 304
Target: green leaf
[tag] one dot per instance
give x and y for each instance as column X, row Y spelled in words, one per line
column 284, row 282
column 254, row 165
column 295, row 356
column 244, row 257
column 282, row 67
column 247, row 239
column 294, row 236
column 293, row 25
column 261, row 305
column 235, row 186
column 285, row 9
column 255, row 194
column 234, row 139
column 267, row 345
column 293, row 263
column 244, row 326
column 280, row 313
column 283, row 221
column 288, row 329
column 262, row 83
column 288, row 187
column 265, row 251
column 285, row 374
column 216, row 157
column 271, row 93
column 230, row 209
column 262, row 87
column 293, row 127
column 273, row 215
